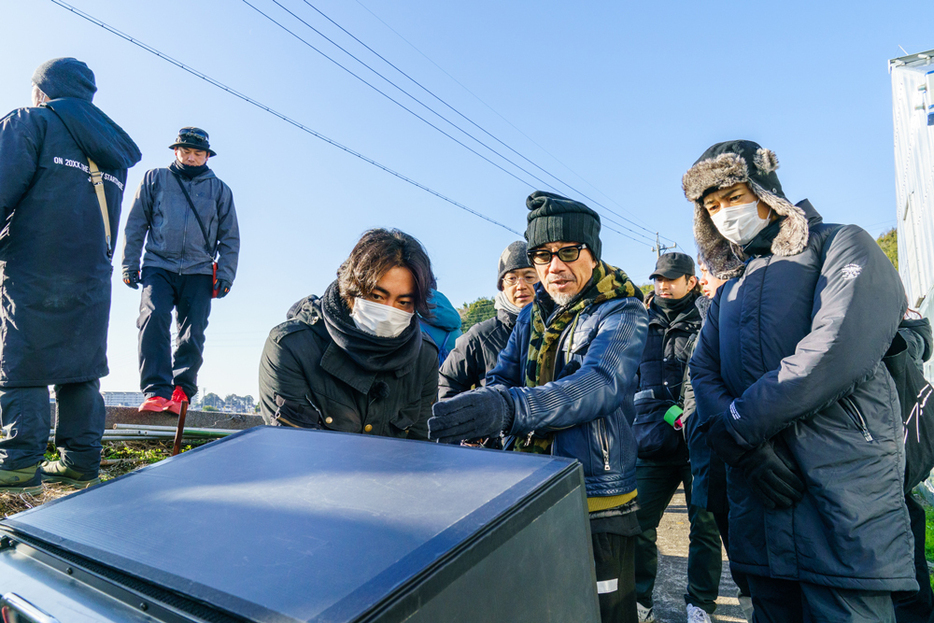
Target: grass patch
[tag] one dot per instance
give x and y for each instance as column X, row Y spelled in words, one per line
column 117, row 458
column 929, row 536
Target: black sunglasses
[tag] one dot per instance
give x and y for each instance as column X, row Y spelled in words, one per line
column 565, row 254
column 195, row 134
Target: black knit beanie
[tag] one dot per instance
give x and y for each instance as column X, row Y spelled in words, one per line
column 553, row 218
column 65, row 77
column 515, row 256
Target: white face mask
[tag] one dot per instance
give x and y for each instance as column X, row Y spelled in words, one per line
column 378, row 319
column 740, row 224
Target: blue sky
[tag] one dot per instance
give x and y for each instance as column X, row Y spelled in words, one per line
column 615, row 99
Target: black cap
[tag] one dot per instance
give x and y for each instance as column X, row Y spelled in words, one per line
column 673, row 265
column 194, row 138
column 553, row 218
column 65, row 77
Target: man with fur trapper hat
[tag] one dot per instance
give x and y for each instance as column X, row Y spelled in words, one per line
column 788, row 375
column 63, row 166
column 564, row 383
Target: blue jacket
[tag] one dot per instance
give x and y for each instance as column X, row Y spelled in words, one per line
column 589, row 405
column 55, row 268
column 174, row 240
column 792, row 349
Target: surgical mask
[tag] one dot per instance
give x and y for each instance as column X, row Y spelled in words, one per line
column 740, row 224
column 378, row 319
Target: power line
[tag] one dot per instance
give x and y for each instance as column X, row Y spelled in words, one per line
column 507, row 121
column 271, row 111
column 341, row 48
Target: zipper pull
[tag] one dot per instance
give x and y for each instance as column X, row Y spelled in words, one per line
column 528, row 440
column 606, row 460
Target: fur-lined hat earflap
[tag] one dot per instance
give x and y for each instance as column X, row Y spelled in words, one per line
column 724, row 165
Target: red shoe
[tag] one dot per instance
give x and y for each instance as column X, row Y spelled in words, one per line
column 175, row 405
column 156, row 403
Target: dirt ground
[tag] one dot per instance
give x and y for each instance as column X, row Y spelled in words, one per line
column 671, row 582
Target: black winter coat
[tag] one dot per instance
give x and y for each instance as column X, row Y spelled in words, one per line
column 668, row 348
column 792, row 348
column 55, row 268
column 317, row 384
column 475, row 354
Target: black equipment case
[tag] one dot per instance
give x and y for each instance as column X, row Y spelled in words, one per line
column 283, row 525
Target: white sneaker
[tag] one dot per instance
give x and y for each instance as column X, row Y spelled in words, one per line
column 697, row 615
column 645, row 614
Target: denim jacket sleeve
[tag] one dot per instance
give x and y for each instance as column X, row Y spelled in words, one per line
column 609, row 359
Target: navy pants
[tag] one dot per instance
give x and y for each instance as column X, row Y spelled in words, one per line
column 26, row 417
column 657, row 483
column 784, row 601
column 190, row 297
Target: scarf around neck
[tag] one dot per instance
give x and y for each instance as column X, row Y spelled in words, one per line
column 607, row 283
column 371, row 352
column 189, row 173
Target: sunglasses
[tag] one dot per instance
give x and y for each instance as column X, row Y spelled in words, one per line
column 565, row 254
column 198, row 136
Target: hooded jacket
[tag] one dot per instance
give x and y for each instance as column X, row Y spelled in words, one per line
column 315, row 382
column 475, row 354
column 55, row 265
column 175, row 242
column 588, row 407
column 445, row 325
column 792, row 348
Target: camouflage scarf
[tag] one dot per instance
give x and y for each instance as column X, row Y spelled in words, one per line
column 607, row 283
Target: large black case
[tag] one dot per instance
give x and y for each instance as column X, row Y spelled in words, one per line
column 277, row 525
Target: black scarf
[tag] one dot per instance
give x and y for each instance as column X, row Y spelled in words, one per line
column 372, row 353
column 672, row 308
column 762, row 243
column 188, row 172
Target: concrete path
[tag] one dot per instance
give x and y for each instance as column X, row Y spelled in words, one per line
column 671, row 582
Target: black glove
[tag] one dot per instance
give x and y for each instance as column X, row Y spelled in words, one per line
column 131, row 278
column 770, row 470
column 478, row 413
column 772, row 474
column 223, row 287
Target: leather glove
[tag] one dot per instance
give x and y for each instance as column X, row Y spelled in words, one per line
column 131, row 278
column 223, row 287
column 479, row 413
column 771, row 473
column 722, row 442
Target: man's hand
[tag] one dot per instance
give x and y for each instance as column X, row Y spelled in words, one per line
column 131, row 278
column 772, row 474
column 479, row 413
column 223, row 287
column 770, row 470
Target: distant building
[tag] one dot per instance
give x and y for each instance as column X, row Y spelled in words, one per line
column 123, row 399
column 913, row 119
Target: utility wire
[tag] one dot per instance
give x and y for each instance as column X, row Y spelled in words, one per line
column 479, row 99
column 407, row 109
column 459, row 113
column 341, row 48
column 281, row 116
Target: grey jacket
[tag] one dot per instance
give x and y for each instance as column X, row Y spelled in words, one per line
column 174, row 240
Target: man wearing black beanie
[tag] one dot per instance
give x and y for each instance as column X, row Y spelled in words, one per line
column 564, row 383
column 63, row 166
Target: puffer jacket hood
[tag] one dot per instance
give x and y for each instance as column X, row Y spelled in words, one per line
column 722, row 166
column 101, row 140
column 444, row 316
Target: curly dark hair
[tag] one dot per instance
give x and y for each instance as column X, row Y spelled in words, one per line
column 377, row 251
